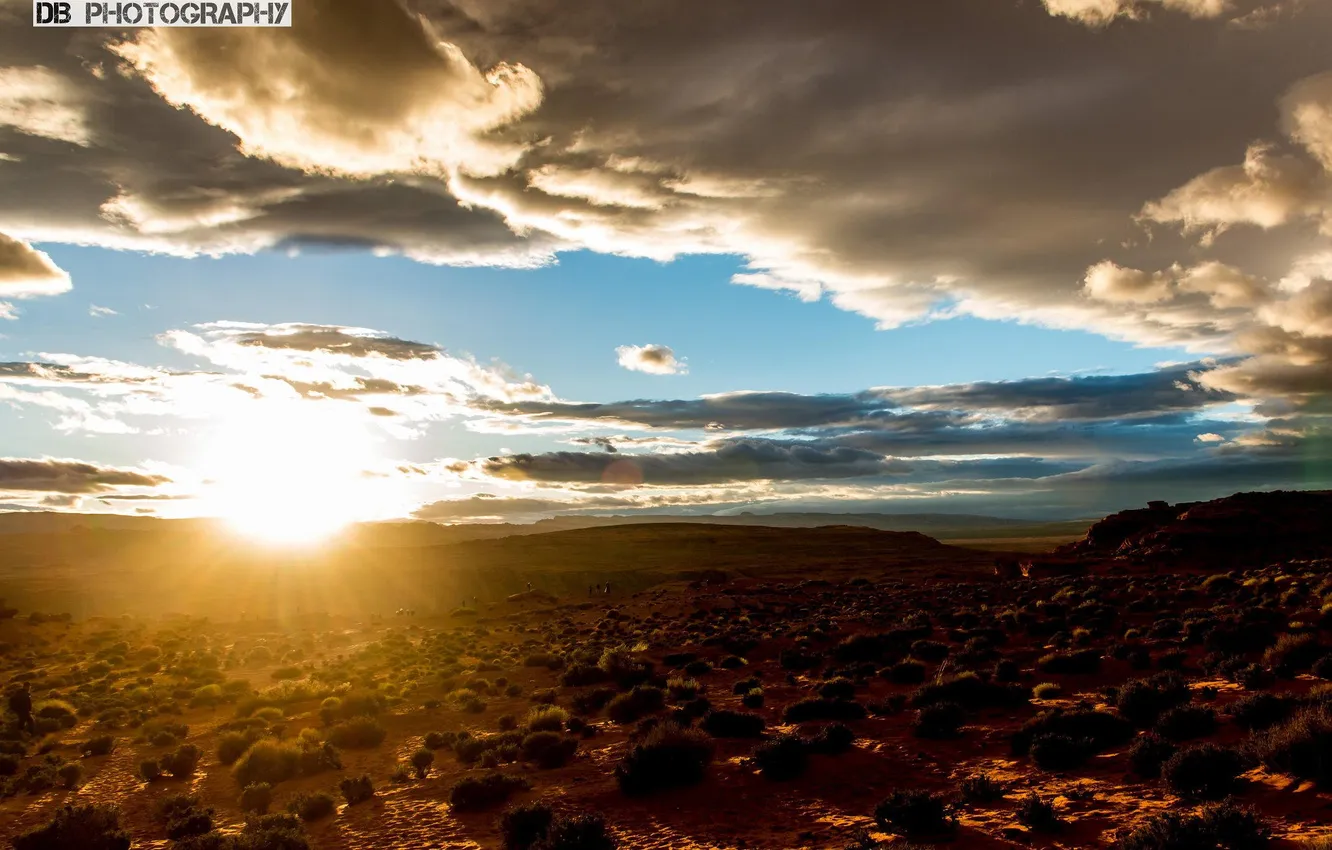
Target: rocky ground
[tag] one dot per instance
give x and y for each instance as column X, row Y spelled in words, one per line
column 1134, row 706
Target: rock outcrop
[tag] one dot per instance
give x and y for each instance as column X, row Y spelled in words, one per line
column 1247, row 529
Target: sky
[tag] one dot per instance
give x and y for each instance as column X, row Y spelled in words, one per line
column 464, row 261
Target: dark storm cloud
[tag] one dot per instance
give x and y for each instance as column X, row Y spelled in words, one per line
column 732, row 411
column 1170, row 390
column 847, row 151
column 91, row 155
column 69, row 476
column 734, row 460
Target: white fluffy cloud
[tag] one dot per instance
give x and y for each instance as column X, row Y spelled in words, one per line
column 652, row 359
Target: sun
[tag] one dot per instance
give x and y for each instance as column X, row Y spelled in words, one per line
column 288, row 472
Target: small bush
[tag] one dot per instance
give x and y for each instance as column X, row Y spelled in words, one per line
column 61, row 712
column 1038, row 814
column 232, row 745
column 969, row 690
column 732, row 724
column 832, row 739
column 1206, row 772
column 150, row 770
column 915, row 814
column 523, row 826
column 1301, row 746
column 358, row 733
column 256, row 798
column 548, row 750
column 908, row 672
column 1053, row 751
column 184, row 816
column 269, row 762
column 313, row 806
column 823, row 709
column 929, row 650
column 838, row 689
column 357, row 789
column 89, row 827
column 784, row 757
column 797, row 661
column 183, row 762
column 71, row 775
column 580, row 832
column 1047, row 690
column 631, row 706
column 1186, row 722
column 1073, row 662
column 1142, row 701
column 1095, row 731
column 1293, row 654
column 476, row 793
column 547, row 718
column 940, row 721
column 1148, row 753
column 1262, row 710
column 981, row 788
column 421, row 761
column 669, row 756
column 590, row 702
column 1226, row 826
column 101, row 745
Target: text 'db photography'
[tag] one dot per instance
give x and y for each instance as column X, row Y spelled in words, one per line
column 131, row 13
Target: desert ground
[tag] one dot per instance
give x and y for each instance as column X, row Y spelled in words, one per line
column 1163, row 682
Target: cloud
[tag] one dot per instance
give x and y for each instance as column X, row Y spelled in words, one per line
column 391, row 384
column 70, row 476
column 729, row 461
column 899, row 409
column 504, row 135
column 489, row 507
column 1268, row 190
column 1307, row 115
column 1027, row 444
column 348, row 342
column 652, row 359
column 1106, row 281
column 37, row 101
column 357, row 87
column 1102, row 12
column 1080, row 398
column 26, row 272
column 99, row 312
column 1282, row 331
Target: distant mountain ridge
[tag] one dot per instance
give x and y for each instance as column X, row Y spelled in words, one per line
column 416, row 533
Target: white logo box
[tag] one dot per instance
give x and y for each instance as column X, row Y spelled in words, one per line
column 120, row 14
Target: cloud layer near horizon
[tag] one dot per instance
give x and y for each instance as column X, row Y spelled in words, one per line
column 1055, row 444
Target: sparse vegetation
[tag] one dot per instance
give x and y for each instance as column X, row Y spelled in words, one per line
column 1034, row 697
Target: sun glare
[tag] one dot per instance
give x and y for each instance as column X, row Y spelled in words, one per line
column 281, row 474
